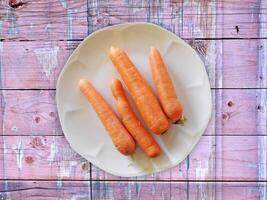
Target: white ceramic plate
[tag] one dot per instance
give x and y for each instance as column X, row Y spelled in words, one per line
column 84, row 130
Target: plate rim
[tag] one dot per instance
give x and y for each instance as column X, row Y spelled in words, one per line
column 155, row 170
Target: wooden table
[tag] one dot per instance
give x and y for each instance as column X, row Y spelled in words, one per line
column 37, row 37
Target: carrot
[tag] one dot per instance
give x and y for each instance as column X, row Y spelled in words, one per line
column 131, row 122
column 165, row 89
column 146, row 102
column 121, row 138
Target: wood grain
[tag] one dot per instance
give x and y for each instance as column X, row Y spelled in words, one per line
column 45, row 190
column 45, row 20
column 73, row 190
column 57, row 161
column 174, row 190
column 28, row 65
column 37, row 37
column 34, row 113
column 68, row 20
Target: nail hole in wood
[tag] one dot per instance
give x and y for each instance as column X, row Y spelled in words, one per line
column 237, row 29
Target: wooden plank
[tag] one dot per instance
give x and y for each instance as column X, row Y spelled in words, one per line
column 38, row 64
column 173, row 190
column 67, row 20
column 30, row 113
column 34, row 64
column 25, row 156
column 45, row 190
column 138, row 190
column 80, row 190
column 189, row 19
column 34, row 113
column 238, row 155
column 43, row 20
column 222, row 19
column 262, row 102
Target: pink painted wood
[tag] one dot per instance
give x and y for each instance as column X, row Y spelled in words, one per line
column 45, row 190
column 38, row 64
column 37, row 37
column 46, row 20
column 238, row 114
column 52, row 190
column 51, row 158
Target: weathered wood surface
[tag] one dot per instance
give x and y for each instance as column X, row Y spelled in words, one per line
column 68, row 20
column 34, row 112
column 37, row 37
column 80, row 190
column 36, row 65
column 45, row 20
column 45, row 190
column 176, row 190
column 51, row 158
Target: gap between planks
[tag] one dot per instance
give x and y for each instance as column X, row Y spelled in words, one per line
column 184, row 38
column 52, row 89
column 139, row 180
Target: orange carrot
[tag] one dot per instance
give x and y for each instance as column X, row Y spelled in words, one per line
column 131, row 122
column 165, row 89
column 121, row 138
column 141, row 93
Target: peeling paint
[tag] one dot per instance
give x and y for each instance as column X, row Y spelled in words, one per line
column 138, row 185
column 7, row 195
column 78, row 196
column 47, row 27
column 202, row 171
column 69, row 25
column 59, row 183
column 47, row 58
column 53, row 151
column 65, row 169
column 262, row 100
column 63, row 3
column 12, row 19
column 14, row 129
column 19, row 154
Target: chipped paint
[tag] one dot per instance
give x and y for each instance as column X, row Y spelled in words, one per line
column 262, row 101
column 63, row 3
column 79, row 195
column 53, row 151
column 66, row 168
column 12, row 19
column 69, row 25
column 47, row 27
column 19, row 153
column 202, row 170
column 139, row 187
column 14, row 129
column 47, row 58
column 7, row 195
column 59, row 183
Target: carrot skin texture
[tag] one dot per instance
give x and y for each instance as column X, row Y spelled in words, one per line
column 131, row 122
column 121, row 138
column 165, row 89
column 146, row 102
